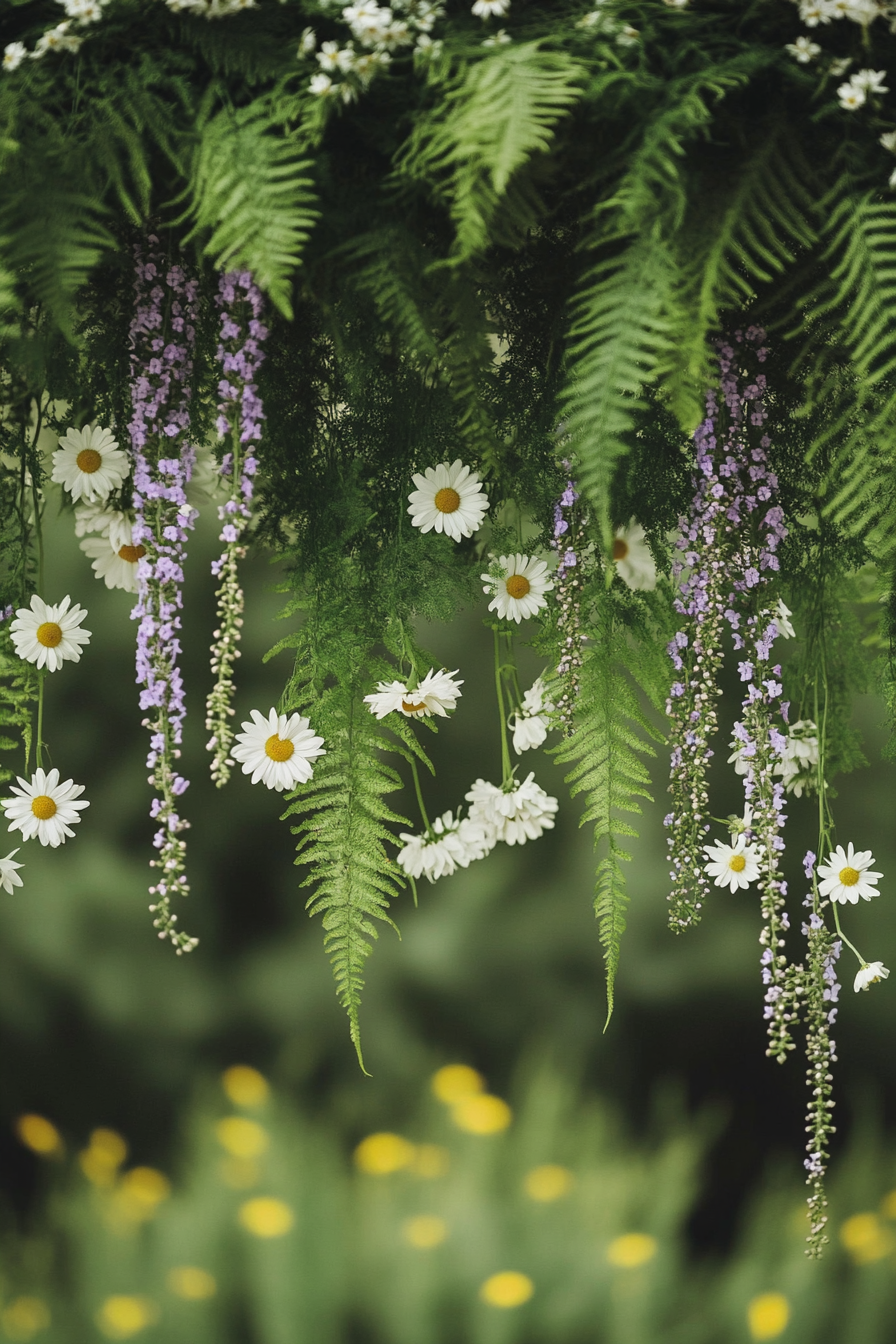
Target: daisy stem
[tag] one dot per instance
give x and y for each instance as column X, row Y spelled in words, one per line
column 421, row 804
column 506, row 769
column 38, row 745
column 850, row 945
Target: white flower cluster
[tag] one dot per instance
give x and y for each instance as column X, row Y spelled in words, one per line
column 863, row 12
column 211, row 9
column 377, row 31
column 531, row 722
column 798, row 766
column 860, row 86
column 453, row 844
column 601, row 23
column 63, row 36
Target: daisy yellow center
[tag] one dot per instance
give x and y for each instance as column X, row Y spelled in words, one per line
column 49, row 634
column 737, row 863
column 43, row 807
column 620, row 549
column 131, row 553
column 410, row 708
column 278, row 748
column 849, row 877
column 517, row 586
column 447, row 500
column 89, row 461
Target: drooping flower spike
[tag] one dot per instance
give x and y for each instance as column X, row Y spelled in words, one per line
column 448, row 499
column 49, row 636
column 569, row 541
column 277, row 750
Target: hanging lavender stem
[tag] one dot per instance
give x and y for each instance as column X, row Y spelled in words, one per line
column 162, row 336
column 240, row 414
column 821, row 990
column 569, row 542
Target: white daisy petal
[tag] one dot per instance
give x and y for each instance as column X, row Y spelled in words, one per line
column 732, row 866
column 89, row 464
column 117, row 564
column 518, row 591
column 437, row 693
column 49, row 635
column 44, row 808
column 871, row 973
column 448, row 499
column 846, row 876
column 277, row 750
column 631, row 555
column 9, row 878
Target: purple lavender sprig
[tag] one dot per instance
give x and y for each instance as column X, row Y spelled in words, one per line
column 718, row 565
column 822, row 990
column 569, row 543
column 240, row 415
column 162, row 337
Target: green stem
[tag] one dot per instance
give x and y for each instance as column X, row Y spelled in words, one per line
column 506, row 769
column 419, row 792
column 38, row 746
column 850, row 945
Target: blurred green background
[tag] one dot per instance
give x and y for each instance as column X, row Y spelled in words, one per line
column 670, row 1149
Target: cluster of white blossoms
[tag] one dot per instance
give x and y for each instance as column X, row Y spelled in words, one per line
column 90, row 465
column 513, row 815
column 604, row 24
column 818, row 12
column 531, row 722
column 64, row 36
column 377, row 32
column 452, row 844
column 211, row 9
column 860, row 86
column 278, row 750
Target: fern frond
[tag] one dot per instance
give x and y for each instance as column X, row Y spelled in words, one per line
column 618, row 339
column 606, row 751
column 342, row 831
column 499, row 115
column 251, row 193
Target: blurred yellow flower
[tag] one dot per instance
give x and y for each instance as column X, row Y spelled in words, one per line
column 431, row 1160
column 548, row 1183
column 508, row 1289
column 888, row 1205
column 191, row 1283
column 245, row 1086
column 632, row 1250
column 768, row 1315
column 240, row 1173
column 424, row 1231
column 266, row 1217
column 24, row 1317
column 137, row 1197
column 242, row 1138
column 40, row 1135
column 104, row 1155
column 482, row 1115
column 381, row 1154
column 865, row 1238
column 455, row 1082
column 120, row 1317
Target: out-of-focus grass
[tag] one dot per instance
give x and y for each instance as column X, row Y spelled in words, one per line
column 473, row 1222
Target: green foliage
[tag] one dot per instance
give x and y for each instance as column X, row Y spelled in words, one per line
column 607, row 748
column 250, row 190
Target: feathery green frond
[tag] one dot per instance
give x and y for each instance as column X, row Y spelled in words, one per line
column 250, row 191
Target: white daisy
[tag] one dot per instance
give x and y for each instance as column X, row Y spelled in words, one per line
column 48, row 636
column 516, row 816
column 518, row 586
column 845, row 876
column 870, row 973
column 278, row 750
column 116, row 565
column 454, row 844
column 733, row 866
column 44, row 808
column 798, row 767
column 531, row 723
column 803, row 50
column 14, row 53
column 437, row 693
column 814, row 12
column 89, row 464
column 111, row 523
column 869, row 81
column 781, row 615
column 631, row 556
column 850, row 97
column 491, row 9
column 9, row 878
column 449, row 499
